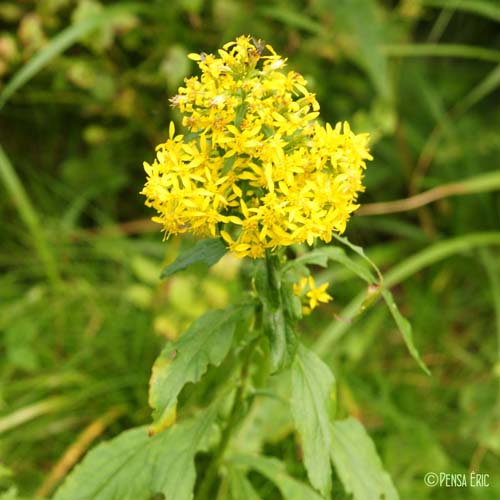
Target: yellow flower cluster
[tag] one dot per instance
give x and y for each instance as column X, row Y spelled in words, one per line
column 313, row 296
column 255, row 167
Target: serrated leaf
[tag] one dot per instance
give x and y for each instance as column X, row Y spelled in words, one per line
column 134, row 466
column 358, row 464
column 207, row 341
column 207, row 251
column 275, row 471
column 405, row 328
column 312, row 404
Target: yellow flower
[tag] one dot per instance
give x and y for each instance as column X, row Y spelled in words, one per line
column 255, row 166
column 314, row 295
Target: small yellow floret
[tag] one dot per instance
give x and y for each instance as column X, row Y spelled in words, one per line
column 313, row 296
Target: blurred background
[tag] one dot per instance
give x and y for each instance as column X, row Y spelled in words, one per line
column 84, row 88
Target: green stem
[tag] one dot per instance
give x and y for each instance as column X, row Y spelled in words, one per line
column 29, row 217
column 235, row 415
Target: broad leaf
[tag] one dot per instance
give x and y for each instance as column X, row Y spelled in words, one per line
column 358, row 464
column 207, row 341
column 278, row 319
column 207, row 251
column 134, row 466
column 404, row 327
column 313, row 401
column 275, row 471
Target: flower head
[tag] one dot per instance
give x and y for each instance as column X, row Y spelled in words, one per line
column 255, row 166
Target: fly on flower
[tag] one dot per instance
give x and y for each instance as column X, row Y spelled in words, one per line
column 260, row 45
column 255, row 167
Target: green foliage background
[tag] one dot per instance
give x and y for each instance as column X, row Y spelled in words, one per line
column 83, row 315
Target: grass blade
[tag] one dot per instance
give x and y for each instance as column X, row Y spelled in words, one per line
column 59, row 44
column 479, row 7
column 443, row 50
column 485, row 87
column 29, row 217
column 402, row 271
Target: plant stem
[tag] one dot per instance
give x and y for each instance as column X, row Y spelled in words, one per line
column 232, row 422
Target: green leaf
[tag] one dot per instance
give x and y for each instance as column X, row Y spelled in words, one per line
column 207, row 341
column 315, row 257
column 313, row 403
column 277, row 319
column 241, row 111
column 208, row 251
column 240, row 487
column 134, row 466
column 403, row 270
column 358, row 464
column 291, row 302
column 275, row 331
column 404, row 327
column 359, row 250
column 321, row 256
column 402, row 323
column 275, row 471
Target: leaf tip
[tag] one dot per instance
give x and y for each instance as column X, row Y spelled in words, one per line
column 168, row 419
